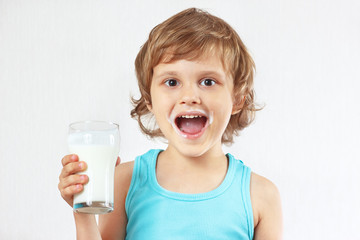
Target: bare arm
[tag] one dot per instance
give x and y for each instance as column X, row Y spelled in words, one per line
column 86, row 227
column 113, row 225
column 266, row 203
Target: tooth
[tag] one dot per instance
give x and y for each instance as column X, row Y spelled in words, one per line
column 190, row 116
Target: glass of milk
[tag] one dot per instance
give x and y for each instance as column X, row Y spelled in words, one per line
column 98, row 144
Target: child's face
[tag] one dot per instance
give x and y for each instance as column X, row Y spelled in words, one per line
column 192, row 102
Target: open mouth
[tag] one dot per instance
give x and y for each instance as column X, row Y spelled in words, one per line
column 191, row 124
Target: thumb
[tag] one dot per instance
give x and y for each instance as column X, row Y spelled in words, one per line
column 117, row 161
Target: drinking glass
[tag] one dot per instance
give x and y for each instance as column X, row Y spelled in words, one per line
column 97, row 143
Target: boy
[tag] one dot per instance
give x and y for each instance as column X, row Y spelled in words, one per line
column 196, row 78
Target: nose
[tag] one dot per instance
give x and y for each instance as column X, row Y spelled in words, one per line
column 190, row 95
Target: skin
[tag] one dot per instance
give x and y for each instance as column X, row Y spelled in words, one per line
column 189, row 164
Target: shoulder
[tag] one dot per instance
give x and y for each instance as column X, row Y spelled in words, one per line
column 266, row 202
column 123, row 176
column 123, row 172
column 260, row 185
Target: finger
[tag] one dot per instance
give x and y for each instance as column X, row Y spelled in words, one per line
column 73, row 180
column 117, row 161
column 72, row 168
column 69, row 158
column 69, row 192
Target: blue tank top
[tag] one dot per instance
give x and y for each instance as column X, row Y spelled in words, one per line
column 156, row 213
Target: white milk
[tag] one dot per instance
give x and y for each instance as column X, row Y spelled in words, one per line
column 101, row 160
column 99, row 149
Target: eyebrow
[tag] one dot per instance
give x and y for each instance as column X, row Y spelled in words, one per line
column 167, row 73
column 216, row 73
column 204, row 73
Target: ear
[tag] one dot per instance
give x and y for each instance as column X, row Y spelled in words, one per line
column 237, row 106
column 148, row 105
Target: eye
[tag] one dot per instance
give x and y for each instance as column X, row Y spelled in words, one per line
column 171, row 82
column 207, row 82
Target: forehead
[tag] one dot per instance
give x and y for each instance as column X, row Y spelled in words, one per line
column 211, row 57
column 208, row 62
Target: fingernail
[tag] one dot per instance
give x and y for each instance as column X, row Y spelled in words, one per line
column 73, row 157
column 81, row 165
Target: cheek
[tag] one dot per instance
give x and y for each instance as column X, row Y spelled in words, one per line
column 223, row 103
column 160, row 108
column 224, row 111
column 154, row 96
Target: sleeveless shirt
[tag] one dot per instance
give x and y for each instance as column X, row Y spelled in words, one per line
column 155, row 213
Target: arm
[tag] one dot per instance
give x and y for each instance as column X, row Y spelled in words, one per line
column 113, row 225
column 86, row 227
column 71, row 183
column 267, row 211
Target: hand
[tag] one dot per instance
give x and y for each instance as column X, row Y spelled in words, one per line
column 71, row 182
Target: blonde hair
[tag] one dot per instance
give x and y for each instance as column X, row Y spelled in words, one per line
column 190, row 35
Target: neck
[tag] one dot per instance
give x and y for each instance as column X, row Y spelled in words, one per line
column 211, row 158
column 191, row 174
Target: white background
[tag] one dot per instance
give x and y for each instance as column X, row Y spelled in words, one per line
column 66, row 60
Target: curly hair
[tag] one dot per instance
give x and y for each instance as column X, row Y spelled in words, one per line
column 189, row 35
